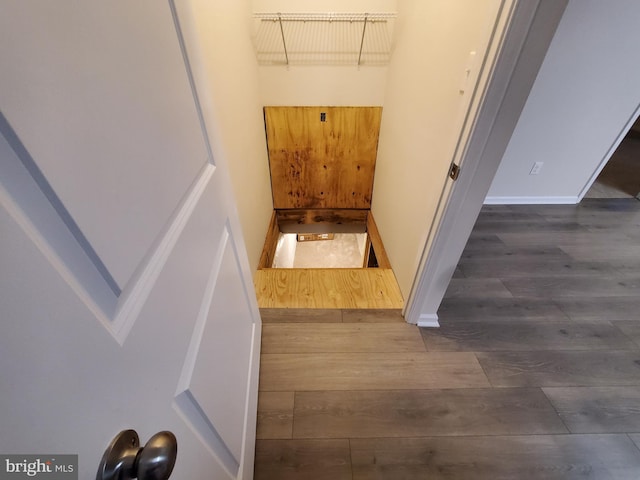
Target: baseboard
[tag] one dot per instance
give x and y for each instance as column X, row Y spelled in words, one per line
column 428, row 320
column 571, row 200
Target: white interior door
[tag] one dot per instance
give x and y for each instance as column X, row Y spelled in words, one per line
column 126, row 299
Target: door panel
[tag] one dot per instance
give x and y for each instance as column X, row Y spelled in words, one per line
column 86, row 92
column 219, row 354
column 189, row 361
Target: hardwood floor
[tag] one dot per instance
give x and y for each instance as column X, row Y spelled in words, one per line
column 620, row 177
column 534, row 373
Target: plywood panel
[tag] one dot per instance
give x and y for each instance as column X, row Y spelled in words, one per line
column 322, row 164
column 327, row 288
column 322, row 220
column 376, row 241
column 270, row 243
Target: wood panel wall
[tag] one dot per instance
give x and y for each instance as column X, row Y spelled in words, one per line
column 322, row 164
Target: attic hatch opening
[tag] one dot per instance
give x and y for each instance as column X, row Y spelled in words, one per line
column 324, row 250
column 322, row 164
column 320, row 239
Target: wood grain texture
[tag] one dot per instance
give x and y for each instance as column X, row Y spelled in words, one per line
column 376, row 241
column 595, row 389
column 504, row 411
column 499, row 309
column 562, row 286
column 597, row 307
column 589, row 209
column 534, row 225
column 344, row 337
column 603, row 252
column 597, row 409
column 317, row 164
column 530, row 457
column 327, row 288
column 631, row 329
column 275, row 415
column 369, row 371
column 502, row 252
column 561, row 368
column 477, row 287
column 372, row 316
column 504, row 218
column 531, row 266
column 322, row 220
column 575, row 238
column 483, row 243
column 270, row 244
column 543, row 335
column 302, row 459
column 301, row 315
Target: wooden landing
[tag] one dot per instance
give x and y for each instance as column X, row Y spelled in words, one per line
column 327, row 288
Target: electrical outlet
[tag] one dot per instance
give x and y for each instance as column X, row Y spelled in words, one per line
column 535, row 170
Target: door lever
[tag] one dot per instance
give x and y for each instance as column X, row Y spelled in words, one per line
column 124, row 459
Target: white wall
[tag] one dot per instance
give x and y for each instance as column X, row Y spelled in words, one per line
column 323, row 85
column 586, row 92
column 222, row 57
column 323, row 6
column 317, row 85
column 422, row 116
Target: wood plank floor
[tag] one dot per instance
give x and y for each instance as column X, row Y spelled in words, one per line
column 620, row 177
column 533, row 374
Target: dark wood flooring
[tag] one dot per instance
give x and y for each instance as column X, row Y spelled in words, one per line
column 620, row 178
column 533, row 374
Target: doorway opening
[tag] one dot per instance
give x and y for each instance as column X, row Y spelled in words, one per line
column 620, row 177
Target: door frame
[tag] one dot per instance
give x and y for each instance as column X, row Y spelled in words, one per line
column 518, row 52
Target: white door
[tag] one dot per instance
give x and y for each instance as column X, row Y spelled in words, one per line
column 126, row 299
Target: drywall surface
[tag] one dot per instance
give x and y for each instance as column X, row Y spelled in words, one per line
column 331, row 85
column 311, row 85
column 221, row 54
column 323, row 6
column 585, row 94
column 422, row 118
